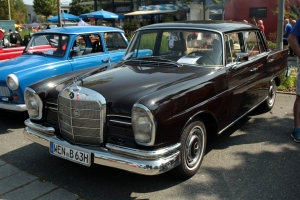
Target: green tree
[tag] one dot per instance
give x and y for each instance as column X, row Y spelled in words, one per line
column 4, row 12
column 20, row 14
column 45, row 7
column 291, row 10
column 77, row 9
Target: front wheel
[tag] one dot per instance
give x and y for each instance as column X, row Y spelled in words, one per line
column 193, row 145
column 268, row 104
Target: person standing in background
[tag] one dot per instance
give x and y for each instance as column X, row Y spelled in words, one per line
column 293, row 22
column 261, row 25
column 286, row 32
column 293, row 40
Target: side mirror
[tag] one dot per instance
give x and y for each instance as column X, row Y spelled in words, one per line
column 240, row 57
column 76, row 49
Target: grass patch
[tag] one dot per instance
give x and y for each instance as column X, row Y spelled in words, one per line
column 289, row 83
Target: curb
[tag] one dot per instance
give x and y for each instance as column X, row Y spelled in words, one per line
column 280, row 92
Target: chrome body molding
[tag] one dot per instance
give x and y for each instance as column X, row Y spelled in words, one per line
column 14, row 107
column 241, row 117
column 132, row 160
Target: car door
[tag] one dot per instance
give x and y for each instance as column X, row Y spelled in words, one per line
column 87, row 51
column 240, row 74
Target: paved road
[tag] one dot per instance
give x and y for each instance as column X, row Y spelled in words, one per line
column 255, row 159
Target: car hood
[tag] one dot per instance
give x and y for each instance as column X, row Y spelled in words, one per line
column 24, row 62
column 122, row 87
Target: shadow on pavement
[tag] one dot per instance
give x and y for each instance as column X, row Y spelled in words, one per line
column 253, row 159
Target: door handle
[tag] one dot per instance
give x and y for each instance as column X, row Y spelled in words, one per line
column 105, row 60
column 253, row 69
column 270, row 60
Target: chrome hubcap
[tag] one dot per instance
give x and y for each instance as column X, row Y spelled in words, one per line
column 271, row 96
column 194, row 147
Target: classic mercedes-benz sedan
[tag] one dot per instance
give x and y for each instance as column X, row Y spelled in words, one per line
column 57, row 51
column 153, row 113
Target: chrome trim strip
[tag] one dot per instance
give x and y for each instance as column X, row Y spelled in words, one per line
column 119, row 116
column 111, row 158
column 119, row 122
column 55, row 104
column 241, row 117
column 14, row 107
column 54, row 109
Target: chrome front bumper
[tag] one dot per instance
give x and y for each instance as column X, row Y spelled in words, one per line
column 14, row 107
column 133, row 160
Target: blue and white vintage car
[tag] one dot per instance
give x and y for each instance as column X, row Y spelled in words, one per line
column 57, row 51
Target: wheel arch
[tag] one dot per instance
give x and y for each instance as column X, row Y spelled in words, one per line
column 209, row 121
column 276, row 80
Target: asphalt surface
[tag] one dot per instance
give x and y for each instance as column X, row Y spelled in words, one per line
column 254, row 159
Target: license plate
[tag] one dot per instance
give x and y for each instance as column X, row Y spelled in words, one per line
column 71, row 154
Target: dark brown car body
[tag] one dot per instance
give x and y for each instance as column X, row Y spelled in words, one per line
column 177, row 97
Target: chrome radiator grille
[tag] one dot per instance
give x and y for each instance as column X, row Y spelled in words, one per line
column 4, row 91
column 81, row 114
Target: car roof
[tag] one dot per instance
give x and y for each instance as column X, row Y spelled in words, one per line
column 80, row 29
column 222, row 26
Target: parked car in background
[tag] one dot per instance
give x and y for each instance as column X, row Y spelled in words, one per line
column 153, row 113
column 57, row 51
column 12, row 45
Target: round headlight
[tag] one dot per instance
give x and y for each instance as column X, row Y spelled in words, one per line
column 12, row 82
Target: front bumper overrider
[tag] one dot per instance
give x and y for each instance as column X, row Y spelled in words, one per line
column 137, row 161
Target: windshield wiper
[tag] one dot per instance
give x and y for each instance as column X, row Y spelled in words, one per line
column 157, row 61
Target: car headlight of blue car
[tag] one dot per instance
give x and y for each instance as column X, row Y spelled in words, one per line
column 12, row 82
column 144, row 125
column 33, row 103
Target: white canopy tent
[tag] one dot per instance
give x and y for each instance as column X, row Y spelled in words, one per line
column 149, row 12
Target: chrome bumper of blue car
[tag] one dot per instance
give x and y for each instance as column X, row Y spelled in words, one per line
column 14, row 107
column 133, row 160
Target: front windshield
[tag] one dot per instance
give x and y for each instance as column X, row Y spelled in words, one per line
column 48, row 44
column 193, row 47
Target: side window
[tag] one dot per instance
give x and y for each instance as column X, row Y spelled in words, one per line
column 80, row 44
column 252, row 47
column 145, row 45
column 95, row 40
column 114, row 41
column 233, row 45
column 261, row 44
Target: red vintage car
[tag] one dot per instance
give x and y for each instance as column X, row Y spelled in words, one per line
column 12, row 45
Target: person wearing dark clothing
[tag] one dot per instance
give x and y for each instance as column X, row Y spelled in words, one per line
column 293, row 40
column 152, row 20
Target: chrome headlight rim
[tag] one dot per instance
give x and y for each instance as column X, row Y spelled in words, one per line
column 15, row 79
column 152, row 120
column 39, row 101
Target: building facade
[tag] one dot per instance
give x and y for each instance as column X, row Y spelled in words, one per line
column 240, row 10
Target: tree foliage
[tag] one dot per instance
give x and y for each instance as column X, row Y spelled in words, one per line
column 45, row 7
column 291, row 10
column 20, row 14
column 4, row 12
column 77, row 9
